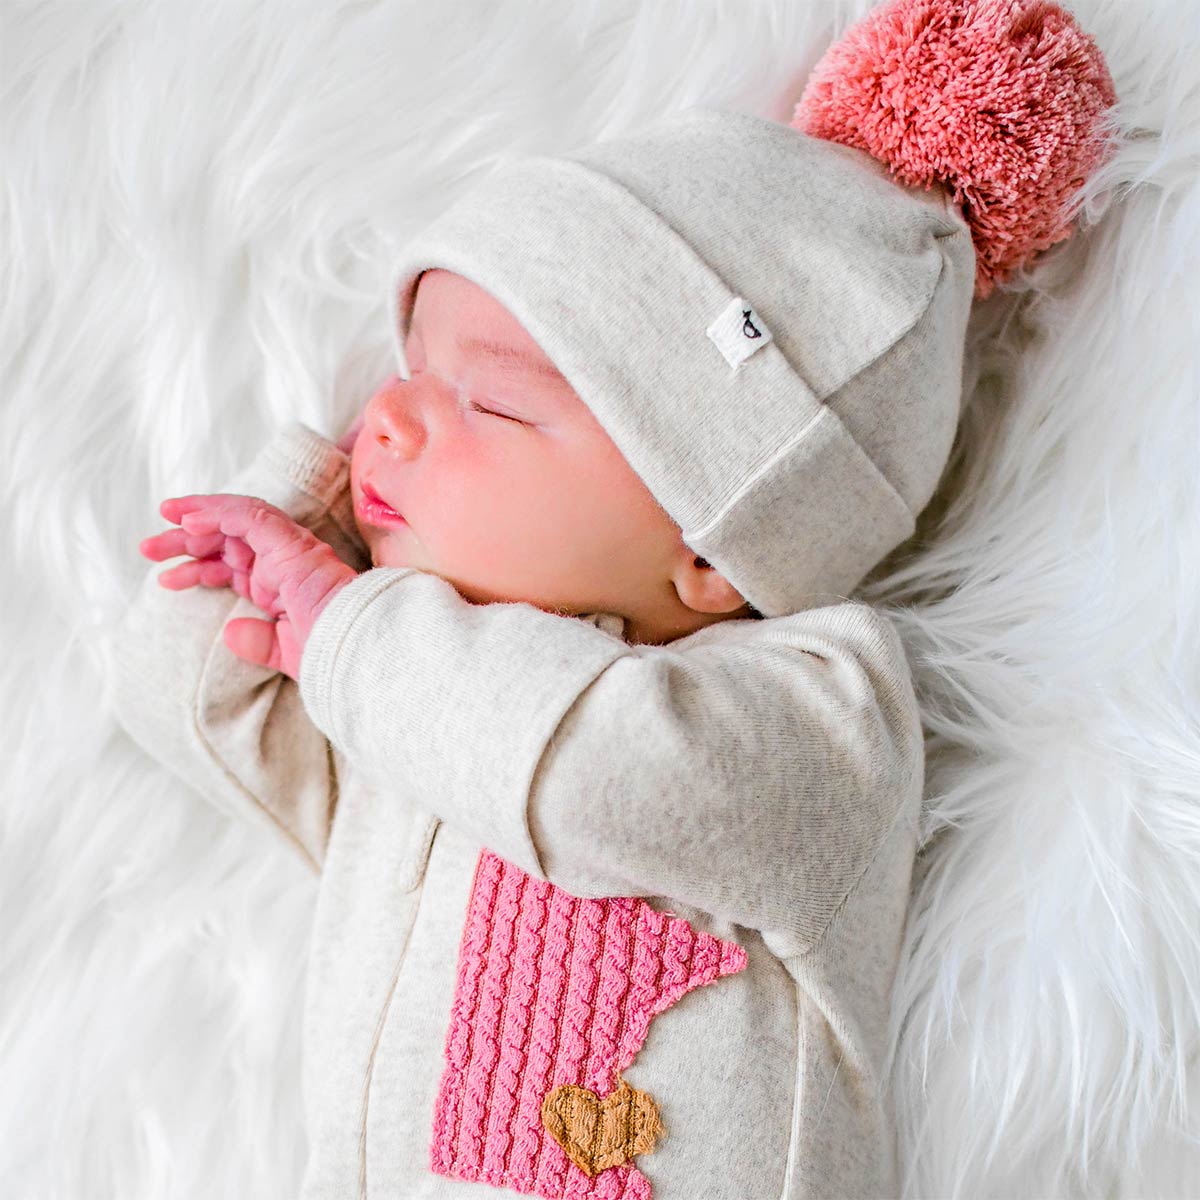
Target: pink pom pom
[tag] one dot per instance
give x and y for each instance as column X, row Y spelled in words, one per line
column 1000, row 100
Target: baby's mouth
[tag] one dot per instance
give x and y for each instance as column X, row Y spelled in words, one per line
column 373, row 510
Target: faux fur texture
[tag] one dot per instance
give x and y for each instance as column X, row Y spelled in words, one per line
column 201, row 206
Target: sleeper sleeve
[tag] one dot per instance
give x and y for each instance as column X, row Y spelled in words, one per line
column 238, row 732
column 752, row 776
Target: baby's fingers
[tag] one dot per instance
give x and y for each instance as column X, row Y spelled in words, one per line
column 254, row 640
column 174, row 508
column 261, row 525
column 205, row 572
column 174, row 542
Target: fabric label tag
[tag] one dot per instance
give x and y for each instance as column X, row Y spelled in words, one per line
column 738, row 332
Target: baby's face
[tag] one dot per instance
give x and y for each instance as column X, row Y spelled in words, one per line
column 505, row 483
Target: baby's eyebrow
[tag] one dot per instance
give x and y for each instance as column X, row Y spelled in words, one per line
column 510, row 359
column 504, row 357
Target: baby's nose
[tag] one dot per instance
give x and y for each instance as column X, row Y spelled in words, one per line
column 390, row 420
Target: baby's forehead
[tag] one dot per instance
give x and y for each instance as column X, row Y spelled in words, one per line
column 480, row 328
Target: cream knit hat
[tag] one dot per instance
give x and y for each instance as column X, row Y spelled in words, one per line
column 769, row 324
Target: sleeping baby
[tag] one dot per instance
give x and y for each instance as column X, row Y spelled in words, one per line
column 551, row 672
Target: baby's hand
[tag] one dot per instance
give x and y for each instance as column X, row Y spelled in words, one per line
column 256, row 549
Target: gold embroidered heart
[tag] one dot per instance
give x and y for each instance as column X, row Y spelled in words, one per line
column 597, row 1134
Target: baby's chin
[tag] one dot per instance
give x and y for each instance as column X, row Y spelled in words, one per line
column 380, row 548
column 384, row 553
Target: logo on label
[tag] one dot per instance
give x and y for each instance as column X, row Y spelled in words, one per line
column 738, row 332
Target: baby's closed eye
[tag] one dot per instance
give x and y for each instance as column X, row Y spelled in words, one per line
column 493, row 413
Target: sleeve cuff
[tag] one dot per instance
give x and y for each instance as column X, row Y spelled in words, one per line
column 311, row 463
column 326, row 637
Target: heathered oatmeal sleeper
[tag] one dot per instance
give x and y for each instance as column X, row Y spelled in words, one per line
column 547, row 857
column 573, row 891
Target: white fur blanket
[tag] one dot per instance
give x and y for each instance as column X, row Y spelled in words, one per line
column 201, row 204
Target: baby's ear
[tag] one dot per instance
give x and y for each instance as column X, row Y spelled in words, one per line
column 702, row 587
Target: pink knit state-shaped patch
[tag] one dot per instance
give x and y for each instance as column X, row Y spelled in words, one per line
column 553, row 989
